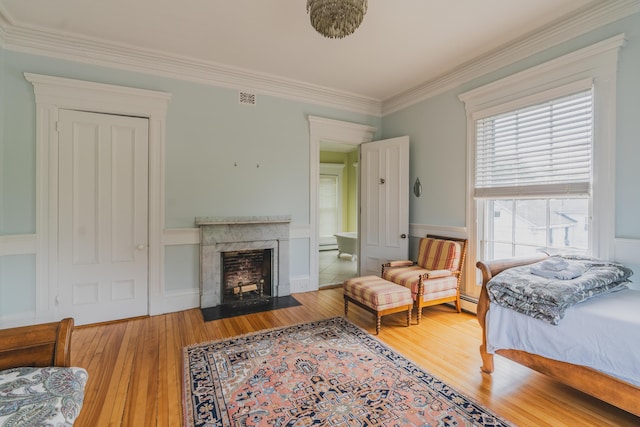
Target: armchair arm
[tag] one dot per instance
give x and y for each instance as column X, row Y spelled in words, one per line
column 433, row 274
column 396, row 263
column 400, row 263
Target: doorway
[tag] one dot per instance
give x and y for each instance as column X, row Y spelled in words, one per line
column 337, row 213
column 323, row 130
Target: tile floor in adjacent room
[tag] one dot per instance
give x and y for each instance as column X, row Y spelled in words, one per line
column 334, row 270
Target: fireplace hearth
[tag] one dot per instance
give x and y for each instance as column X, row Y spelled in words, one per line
column 243, row 260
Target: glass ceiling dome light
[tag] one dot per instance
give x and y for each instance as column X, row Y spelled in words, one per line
column 336, row 19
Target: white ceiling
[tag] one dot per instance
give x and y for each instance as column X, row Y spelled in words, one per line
column 400, row 45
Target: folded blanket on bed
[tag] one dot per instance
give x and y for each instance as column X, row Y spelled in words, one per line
column 547, row 298
column 555, row 263
column 557, row 268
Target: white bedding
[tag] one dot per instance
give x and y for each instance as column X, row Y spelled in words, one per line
column 602, row 333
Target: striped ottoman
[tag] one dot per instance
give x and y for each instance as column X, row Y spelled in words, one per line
column 378, row 296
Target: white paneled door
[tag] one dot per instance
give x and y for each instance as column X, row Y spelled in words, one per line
column 384, row 201
column 102, row 216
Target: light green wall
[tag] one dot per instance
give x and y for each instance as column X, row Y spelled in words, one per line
column 17, row 284
column 437, row 128
column 226, row 159
column 2, row 138
column 349, row 186
column 222, row 159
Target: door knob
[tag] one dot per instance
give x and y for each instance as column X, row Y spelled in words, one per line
column 382, row 181
column 403, row 236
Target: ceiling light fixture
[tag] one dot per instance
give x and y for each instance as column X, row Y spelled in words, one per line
column 336, row 19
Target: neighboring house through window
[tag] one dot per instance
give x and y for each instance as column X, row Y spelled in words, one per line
column 541, row 159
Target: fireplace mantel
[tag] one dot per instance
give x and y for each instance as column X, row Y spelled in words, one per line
column 237, row 233
column 222, row 220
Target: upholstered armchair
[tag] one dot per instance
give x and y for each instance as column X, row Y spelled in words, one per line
column 435, row 277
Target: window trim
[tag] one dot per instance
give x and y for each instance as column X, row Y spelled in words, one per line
column 597, row 63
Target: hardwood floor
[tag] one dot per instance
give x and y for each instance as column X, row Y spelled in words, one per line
column 135, row 366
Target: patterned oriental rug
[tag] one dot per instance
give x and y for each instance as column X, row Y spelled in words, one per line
column 325, row 373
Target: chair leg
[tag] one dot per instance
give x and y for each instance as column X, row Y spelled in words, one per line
column 418, row 314
column 458, row 304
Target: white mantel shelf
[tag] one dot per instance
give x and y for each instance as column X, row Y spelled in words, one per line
column 214, row 220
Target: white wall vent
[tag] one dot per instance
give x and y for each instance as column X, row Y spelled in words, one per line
column 247, row 98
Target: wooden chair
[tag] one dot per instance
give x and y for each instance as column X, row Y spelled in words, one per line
column 435, row 277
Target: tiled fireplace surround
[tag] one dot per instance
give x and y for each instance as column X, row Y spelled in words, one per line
column 227, row 234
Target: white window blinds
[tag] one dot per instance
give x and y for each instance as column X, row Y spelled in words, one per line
column 539, row 150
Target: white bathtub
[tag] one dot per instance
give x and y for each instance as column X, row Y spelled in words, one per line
column 347, row 243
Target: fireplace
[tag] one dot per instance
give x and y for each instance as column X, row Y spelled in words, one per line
column 257, row 247
column 246, row 276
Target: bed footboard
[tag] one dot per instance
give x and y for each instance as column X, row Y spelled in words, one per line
column 488, row 270
column 604, row 387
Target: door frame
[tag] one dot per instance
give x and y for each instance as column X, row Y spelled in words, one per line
column 53, row 94
column 328, row 130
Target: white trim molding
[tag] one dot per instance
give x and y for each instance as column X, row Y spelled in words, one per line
column 596, row 63
column 18, row 244
column 60, row 45
column 191, row 236
column 577, row 24
column 53, row 94
column 327, row 130
column 57, row 44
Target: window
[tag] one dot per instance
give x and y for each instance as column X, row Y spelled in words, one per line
column 544, row 143
column 328, row 209
column 533, row 177
column 330, row 205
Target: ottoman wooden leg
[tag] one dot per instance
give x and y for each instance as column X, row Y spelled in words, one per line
column 378, row 318
column 409, row 315
column 346, row 307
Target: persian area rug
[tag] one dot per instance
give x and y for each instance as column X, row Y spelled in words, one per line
column 324, row 373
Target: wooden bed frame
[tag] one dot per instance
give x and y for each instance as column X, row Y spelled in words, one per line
column 47, row 344
column 604, row 387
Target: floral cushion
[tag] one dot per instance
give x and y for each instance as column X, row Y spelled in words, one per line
column 49, row 396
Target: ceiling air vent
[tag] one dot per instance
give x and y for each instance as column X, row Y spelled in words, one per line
column 247, row 98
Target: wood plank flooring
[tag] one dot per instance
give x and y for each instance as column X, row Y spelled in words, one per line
column 135, row 366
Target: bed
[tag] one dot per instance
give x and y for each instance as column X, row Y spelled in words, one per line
column 347, row 243
column 554, row 355
column 38, row 385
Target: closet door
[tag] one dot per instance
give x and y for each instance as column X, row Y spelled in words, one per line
column 103, row 216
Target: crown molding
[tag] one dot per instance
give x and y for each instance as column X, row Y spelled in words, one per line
column 60, row 45
column 554, row 34
column 70, row 47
